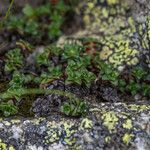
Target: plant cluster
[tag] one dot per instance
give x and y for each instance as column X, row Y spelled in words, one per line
column 43, row 21
column 74, row 108
column 136, row 81
column 78, row 73
column 14, row 60
column 74, row 65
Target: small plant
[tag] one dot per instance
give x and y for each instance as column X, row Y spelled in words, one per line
column 77, row 73
column 54, row 28
column 107, row 73
column 72, row 51
column 145, row 89
column 135, row 82
column 133, row 87
column 139, row 73
column 52, row 74
column 74, row 108
column 8, row 109
column 43, row 21
column 14, row 60
column 42, row 58
column 79, row 107
column 16, row 84
column 122, row 85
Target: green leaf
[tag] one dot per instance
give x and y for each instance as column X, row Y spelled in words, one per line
column 28, row 10
column 8, row 109
column 74, row 107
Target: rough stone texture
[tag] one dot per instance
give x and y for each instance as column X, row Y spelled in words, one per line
column 107, row 126
column 124, row 37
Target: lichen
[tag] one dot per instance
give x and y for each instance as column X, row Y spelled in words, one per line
column 4, row 146
column 86, row 124
column 127, row 124
column 63, row 131
column 116, row 32
column 127, row 138
column 139, row 108
column 110, row 120
column 11, row 148
column 107, row 139
column 112, row 2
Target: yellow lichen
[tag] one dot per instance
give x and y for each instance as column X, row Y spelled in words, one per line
column 127, row 124
column 107, row 139
column 11, row 148
column 139, row 108
column 7, row 123
column 3, row 146
column 86, row 124
column 105, row 53
column 90, row 5
column 70, row 141
column 112, row 2
column 67, row 128
column 133, row 61
column 15, row 121
column 110, row 120
column 57, row 130
column 127, row 138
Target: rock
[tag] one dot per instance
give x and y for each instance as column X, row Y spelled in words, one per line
column 107, row 125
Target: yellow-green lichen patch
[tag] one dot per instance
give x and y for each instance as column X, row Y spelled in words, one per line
column 15, row 121
column 11, row 148
column 115, row 25
column 112, row 2
column 139, row 108
column 4, row 146
column 127, row 124
column 37, row 121
column 7, row 123
column 69, row 132
column 127, row 138
column 86, row 124
column 105, row 53
column 64, row 131
column 107, row 139
column 110, row 120
column 122, row 53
